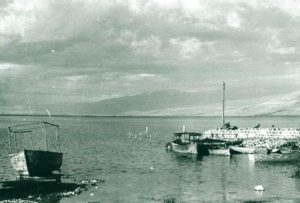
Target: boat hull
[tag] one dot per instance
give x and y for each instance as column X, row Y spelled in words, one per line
column 290, row 157
column 213, row 149
column 219, row 152
column 190, row 148
column 241, row 150
column 36, row 163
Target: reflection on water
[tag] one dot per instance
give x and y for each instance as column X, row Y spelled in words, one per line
column 137, row 170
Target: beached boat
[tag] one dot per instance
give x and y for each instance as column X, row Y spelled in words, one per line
column 32, row 156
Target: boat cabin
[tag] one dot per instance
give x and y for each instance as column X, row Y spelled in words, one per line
column 42, row 136
column 186, row 137
column 35, row 150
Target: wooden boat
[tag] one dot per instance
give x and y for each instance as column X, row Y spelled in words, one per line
column 184, row 142
column 219, row 151
column 190, row 148
column 34, row 161
column 285, row 156
column 241, row 150
column 256, row 139
column 194, row 143
column 212, row 147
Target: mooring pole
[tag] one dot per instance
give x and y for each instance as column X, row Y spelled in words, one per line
column 146, row 132
column 46, row 136
column 223, row 106
column 9, row 141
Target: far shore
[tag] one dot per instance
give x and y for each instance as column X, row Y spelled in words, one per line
column 141, row 116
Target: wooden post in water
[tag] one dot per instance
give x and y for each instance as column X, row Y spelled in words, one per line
column 9, row 140
column 46, row 136
column 146, row 132
column 223, row 106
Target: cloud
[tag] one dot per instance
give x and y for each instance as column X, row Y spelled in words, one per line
column 233, row 20
column 187, row 48
column 282, row 50
column 87, row 32
column 149, row 46
column 144, row 76
column 87, row 47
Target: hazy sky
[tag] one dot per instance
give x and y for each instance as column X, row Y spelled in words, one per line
column 59, row 51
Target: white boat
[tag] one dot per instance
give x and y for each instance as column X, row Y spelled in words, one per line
column 184, row 142
column 189, row 148
column 220, row 152
column 241, row 150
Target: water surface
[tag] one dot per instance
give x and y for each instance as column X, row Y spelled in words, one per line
column 136, row 169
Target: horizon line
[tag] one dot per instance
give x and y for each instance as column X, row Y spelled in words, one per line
column 141, row 116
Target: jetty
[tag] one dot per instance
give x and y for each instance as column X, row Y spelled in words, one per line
column 255, row 137
column 254, row 133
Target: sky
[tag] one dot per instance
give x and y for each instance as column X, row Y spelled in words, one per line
column 85, row 51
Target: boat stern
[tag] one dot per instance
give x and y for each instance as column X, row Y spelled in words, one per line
column 18, row 162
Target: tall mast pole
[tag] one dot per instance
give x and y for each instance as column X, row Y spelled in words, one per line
column 223, row 106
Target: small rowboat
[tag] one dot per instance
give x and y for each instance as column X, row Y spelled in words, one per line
column 213, row 148
column 241, row 150
column 220, row 152
column 286, row 156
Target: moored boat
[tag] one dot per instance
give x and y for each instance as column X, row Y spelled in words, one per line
column 184, row 142
column 255, row 140
column 241, row 150
column 194, row 143
column 189, row 148
column 213, row 147
column 32, row 156
column 286, row 156
column 220, row 151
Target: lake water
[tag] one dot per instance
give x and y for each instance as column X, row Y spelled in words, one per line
column 135, row 169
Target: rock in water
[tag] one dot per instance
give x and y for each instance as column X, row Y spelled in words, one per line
column 259, row 188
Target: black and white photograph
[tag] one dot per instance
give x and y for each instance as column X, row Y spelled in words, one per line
column 149, row 101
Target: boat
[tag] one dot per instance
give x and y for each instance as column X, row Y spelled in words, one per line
column 284, row 156
column 241, row 150
column 35, row 150
column 256, row 139
column 220, row 151
column 184, row 142
column 194, row 143
column 209, row 146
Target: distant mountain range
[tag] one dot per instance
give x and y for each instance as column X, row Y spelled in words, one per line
column 179, row 103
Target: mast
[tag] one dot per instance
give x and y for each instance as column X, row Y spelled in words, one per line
column 223, row 106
